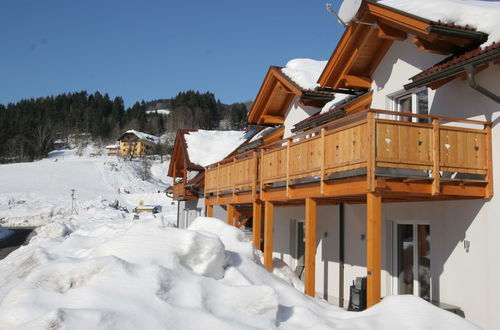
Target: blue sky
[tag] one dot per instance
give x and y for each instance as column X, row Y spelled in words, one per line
column 155, row 49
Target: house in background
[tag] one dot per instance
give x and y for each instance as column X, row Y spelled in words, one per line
column 194, row 149
column 113, row 149
column 135, row 143
column 393, row 178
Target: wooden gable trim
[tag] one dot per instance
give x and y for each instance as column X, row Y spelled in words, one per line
column 405, row 21
column 362, row 47
column 177, row 158
column 388, row 32
column 274, row 84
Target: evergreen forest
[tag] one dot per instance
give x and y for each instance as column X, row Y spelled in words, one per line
column 30, row 128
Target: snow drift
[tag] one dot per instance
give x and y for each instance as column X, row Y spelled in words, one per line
column 122, row 274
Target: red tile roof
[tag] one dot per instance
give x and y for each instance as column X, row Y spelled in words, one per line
column 457, row 59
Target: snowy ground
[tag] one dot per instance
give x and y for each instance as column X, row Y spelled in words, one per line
column 32, row 194
column 98, row 269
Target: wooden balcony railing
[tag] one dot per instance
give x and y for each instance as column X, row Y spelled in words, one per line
column 373, row 143
column 181, row 193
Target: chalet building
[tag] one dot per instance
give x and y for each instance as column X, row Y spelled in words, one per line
column 194, row 149
column 392, row 179
column 135, row 143
column 112, row 149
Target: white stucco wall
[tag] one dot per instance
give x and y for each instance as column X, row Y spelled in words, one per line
column 402, row 61
column 295, row 114
column 466, row 279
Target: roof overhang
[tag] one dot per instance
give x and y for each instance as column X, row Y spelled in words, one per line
column 275, row 96
column 365, row 42
column 452, row 69
column 180, row 158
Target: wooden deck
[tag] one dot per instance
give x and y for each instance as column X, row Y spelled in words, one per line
column 369, row 157
column 180, row 193
column 373, row 151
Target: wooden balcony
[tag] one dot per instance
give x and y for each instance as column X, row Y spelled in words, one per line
column 401, row 156
column 180, row 193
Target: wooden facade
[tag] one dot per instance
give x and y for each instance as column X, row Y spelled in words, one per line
column 367, row 152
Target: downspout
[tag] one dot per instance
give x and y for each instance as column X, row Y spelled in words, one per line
column 341, row 254
column 178, row 211
column 470, row 70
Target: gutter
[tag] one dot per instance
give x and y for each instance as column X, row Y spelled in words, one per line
column 453, row 32
column 471, row 71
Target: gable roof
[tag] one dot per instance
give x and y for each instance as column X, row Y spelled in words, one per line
column 277, row 92
column 141, row 136
column 365, row 43
column 209, row 146
column 180, row 157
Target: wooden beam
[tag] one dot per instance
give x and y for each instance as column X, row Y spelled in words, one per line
column 372, row 151
column 310, row 248
column 242, row 223
column 373, row 247
column 388, row 32
column 357, row 81
column 230, row 214
column 257, row 223
column 268, row 235
column 210, row 210
column 439, row 47
column 489, row 162
column 436, row 182
column 269, row 119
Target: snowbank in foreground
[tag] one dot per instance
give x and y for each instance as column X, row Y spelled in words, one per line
column 115, row 273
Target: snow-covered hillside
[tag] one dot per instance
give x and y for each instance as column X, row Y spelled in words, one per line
column 32, row 194
column 96, row 268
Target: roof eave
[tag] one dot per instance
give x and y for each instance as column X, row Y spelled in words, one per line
column 454, row 70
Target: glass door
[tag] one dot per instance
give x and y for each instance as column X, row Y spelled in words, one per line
column 413, row 260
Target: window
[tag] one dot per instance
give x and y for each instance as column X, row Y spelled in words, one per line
column 416, row 102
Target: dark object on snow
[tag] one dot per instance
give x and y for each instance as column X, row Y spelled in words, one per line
column 148, row 208
column 357, row 297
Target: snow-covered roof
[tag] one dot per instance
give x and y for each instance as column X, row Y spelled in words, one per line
column 484, row 16
column 339, row 98
column 159, row 111
column 208, row 147
column 304, row 72
column 112, row 146
column 144, row 136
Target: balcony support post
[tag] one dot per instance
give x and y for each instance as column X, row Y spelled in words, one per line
column 268, row 234
column 323, row 162
column 373, row 247
column 256, row 223
column 372, row 151
column 310, row 248
column 230, row 214
column 489, row 162
column 436, row 183
column 218, row 183
column 288, row 142
column 210, row 210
